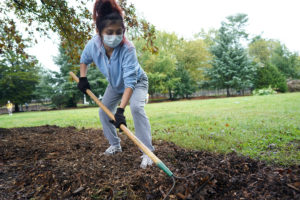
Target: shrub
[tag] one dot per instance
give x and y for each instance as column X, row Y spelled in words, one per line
column 269, row 75
column 59, row 100
column 264, row 91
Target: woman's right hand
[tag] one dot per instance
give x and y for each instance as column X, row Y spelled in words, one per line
column 83, row 84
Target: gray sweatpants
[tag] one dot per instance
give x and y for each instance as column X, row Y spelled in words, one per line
column 142, row 127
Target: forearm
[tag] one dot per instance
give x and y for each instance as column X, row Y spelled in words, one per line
column 125, row 98
column 83, row 70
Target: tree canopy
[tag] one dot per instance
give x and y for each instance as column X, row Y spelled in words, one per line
column 177, row 67
column 18, row 70
column 266, row 52
column 72, row 21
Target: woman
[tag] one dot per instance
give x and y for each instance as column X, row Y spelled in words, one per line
column 116, row 58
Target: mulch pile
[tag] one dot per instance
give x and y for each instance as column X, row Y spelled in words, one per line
column 50, row 162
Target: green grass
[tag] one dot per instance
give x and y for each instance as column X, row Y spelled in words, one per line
column 262, row 127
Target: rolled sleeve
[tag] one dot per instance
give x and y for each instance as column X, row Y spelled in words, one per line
column 86, row 56
column 130, row 67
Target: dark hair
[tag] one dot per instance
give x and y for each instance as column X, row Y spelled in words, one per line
column 107, row 12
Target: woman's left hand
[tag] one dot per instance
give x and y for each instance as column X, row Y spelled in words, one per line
column 119, row 118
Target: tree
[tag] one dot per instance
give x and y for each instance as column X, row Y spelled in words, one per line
column 66, row 93
column 194, row 56
column 156, row 82
column 207, row 36
column 161, row 65
column 185, row 86
column 298, row 67
column 163, row 69
column 269, row 75
column 286, row 61
column 46, row 86
column 18, row 70
column 72, row 21
column 231, row 67
column 271, row 51
column 261, row 50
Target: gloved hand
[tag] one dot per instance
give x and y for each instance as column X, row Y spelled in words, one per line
column 83, row 84
column 119, row 118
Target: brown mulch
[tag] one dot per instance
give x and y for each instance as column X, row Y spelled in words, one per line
column 50, row 162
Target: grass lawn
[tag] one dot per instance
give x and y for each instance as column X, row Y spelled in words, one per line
column 263, row 127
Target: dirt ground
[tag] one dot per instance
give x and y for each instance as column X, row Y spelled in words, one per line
column 50, row 162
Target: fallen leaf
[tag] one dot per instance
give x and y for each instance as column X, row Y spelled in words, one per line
column 78, row 190
column 295, row 186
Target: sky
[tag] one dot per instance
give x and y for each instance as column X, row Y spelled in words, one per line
column 273, row 19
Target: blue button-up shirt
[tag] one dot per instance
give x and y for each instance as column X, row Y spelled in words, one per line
column 122, row 70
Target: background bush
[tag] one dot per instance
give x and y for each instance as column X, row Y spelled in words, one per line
column 269, row 75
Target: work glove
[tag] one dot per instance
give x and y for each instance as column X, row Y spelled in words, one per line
column 119, row 118
column 83, row 84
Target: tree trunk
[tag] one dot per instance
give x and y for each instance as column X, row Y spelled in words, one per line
column 17, row 108
column 170, row 94
column 71, row 102
column 228, row 93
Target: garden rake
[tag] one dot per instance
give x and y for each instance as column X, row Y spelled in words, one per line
column 145, row 149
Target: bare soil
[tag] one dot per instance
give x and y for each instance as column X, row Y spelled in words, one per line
column 49, row 162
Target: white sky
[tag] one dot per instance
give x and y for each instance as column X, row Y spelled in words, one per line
column 274, row 19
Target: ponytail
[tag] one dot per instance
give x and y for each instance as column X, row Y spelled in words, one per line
column 107, row 12
column 97, row 11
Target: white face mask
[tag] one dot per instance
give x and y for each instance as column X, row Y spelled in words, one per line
column 112, row 40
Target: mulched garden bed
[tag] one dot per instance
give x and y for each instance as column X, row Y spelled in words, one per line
column 49, row 162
